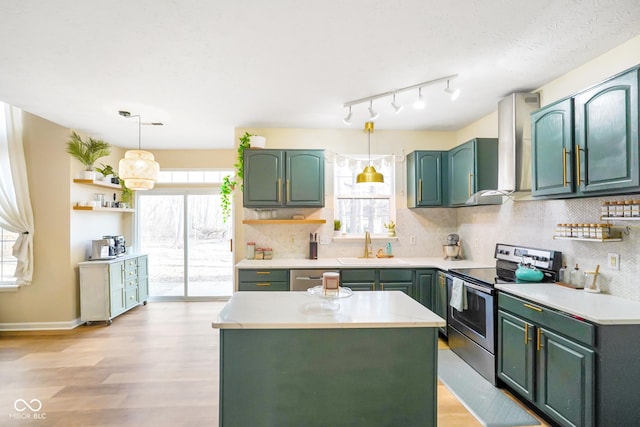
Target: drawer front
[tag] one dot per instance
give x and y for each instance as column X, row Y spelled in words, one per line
column 263, row 286
column 131, row 297
column 130, row 274
column 131, row 264
column 395, row 275
column 549, row 318
column 265, row 275
column 358, row 275
column 131, row 282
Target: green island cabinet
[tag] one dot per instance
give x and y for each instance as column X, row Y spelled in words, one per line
column 587, row 145
column 430, row 290
column 111, row 287
column 576, row 372
column 283, row 178
column 424, row 179
column 382, row 279
column 263, row 279
column 472, row 166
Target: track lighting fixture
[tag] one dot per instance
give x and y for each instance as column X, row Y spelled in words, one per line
column 373, row 114
column 455, row 93
column 419, row 104
column 397, row 108
column 347, row 118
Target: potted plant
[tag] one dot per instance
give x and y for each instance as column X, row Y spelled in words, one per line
column 127, row 195
column 87, row 152
column 107, row 172
column 337, row 224
column 391, row 229
column 229, row 182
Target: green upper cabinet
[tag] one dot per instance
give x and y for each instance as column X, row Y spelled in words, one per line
column 472, row 166
column 552, row 157
column 424, row 179
column 283, row 178
column 606, row 137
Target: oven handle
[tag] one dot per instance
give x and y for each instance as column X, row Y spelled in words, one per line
column 478, row 288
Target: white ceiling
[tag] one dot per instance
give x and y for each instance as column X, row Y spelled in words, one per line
column 204, row 67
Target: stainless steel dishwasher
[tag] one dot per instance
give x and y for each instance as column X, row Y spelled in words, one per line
column 301, row 280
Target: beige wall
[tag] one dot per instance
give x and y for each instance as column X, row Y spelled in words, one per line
column 195, row 159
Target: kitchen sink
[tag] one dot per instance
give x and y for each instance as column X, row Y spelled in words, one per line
column 371, row 261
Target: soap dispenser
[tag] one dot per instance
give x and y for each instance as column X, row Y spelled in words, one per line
column 577, row 279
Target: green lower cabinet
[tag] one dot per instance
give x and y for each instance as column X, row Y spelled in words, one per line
column 554, row 372
column 378, row 280
column 424, row 291
column 263, row 280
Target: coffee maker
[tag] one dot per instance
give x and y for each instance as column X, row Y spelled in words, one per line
column 102, row 249
column 452, row 250
column 118, row 244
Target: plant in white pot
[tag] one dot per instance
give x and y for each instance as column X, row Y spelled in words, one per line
column 337, row 224
column 87, row 152
column 107, row 172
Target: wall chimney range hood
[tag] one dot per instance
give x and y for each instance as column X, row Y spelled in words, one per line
column 514, row 149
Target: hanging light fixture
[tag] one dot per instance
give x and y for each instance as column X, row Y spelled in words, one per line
column 395, row 106
column 369, row 174
column 138, row 168
column 454, row 93
column 347, row 119
column 419, row 104
column 373, row 114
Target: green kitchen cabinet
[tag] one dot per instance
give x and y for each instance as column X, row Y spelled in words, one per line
column 552, row 159
column 430, row 290
column 606, row 138
column 547, row 358
column 263, row 279
column 378, row 280
column 424, row 179
column 472, row 166
column 441, row 299
column 283, row 178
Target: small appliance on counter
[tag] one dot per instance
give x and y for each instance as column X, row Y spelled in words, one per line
column 117, row 246
column 102, row 249
column 452, row 250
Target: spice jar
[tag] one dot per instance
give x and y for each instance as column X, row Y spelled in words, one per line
column 635, row 208
column 604, row 210
column 267, row 253
column 626, row 212
column 259, row 253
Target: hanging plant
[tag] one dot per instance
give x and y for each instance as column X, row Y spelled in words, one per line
column 229, row 182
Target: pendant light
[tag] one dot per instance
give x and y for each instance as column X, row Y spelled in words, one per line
column 369, row 174
column 138, row 168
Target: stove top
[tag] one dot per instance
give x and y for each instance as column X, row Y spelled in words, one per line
column 485, row 275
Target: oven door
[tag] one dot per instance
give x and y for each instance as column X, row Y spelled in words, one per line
column 476, row 322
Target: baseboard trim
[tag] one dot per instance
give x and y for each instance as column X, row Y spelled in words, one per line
column 41, row 326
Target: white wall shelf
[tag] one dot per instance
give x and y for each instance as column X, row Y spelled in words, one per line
column 98, row 183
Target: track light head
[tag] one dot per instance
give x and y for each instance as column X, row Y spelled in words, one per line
column 347, row 118
column 455, row 93
column 373, row 114
column 419, row 104
column 395, row 106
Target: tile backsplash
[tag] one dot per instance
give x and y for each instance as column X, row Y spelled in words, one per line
column 527, row 223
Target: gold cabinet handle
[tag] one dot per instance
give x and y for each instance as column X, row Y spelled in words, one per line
column 564, row 167
column 382, row 286
column 419, row 190
column 469, row 184
column 373, row 286
column 526, row 333
column 263, row 272
column 288, row 192
column 533, row 307
column 578, row 173
column 263, row 284
column 279, row 189
column 539, row 344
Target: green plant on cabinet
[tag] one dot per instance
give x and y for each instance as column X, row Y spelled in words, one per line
column 229, row 182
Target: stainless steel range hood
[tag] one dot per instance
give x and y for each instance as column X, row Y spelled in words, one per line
column 514, row 148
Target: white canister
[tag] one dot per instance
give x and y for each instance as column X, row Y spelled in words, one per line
column 330, row 281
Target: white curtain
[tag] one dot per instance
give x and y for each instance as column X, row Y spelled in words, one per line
column 16, row 214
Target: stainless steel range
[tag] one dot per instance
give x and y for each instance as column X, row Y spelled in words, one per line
column 472, row 325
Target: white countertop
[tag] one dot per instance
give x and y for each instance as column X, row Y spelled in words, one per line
column 597, row 308
column 301, row 310
column 396, row 262
column 110, row 261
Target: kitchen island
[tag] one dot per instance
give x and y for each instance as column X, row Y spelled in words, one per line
column 294, row 359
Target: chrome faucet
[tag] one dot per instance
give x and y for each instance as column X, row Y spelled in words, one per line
column 367, row 245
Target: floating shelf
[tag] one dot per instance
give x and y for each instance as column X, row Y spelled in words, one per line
column 284, row 221
column 620, row 218
column 91, row 208
column 582, row 239
column 98, row 183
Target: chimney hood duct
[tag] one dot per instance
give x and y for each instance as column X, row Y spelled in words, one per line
column 514, row 148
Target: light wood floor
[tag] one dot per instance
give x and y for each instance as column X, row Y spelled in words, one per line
column 156, row 365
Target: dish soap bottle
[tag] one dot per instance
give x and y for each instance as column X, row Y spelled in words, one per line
column 562, row 275
column 577, row 280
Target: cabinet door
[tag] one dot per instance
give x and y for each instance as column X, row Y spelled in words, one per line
column 461, row 173
column 607, row 135
column 424, row 180
column 263, row 175
column 516, row 354
column 116, row 288
column 441, row 299
column 565, row 379
column 143, row 279
column 304, row 181
column 552, row 152
column 424, row 289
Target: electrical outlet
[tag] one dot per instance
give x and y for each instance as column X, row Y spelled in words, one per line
column 412, row 240
column 324, row 239
column 613, row 261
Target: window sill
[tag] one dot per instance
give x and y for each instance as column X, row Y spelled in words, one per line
column 348, row 238
column 9, row 288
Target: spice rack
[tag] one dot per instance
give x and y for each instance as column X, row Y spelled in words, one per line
column 622, row 210
column 602, row 232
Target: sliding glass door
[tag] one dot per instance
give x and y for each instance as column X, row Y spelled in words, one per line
column 188, row 244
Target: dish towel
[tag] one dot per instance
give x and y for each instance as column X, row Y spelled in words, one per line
column 458, row 295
